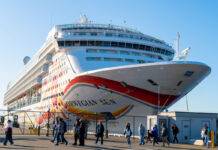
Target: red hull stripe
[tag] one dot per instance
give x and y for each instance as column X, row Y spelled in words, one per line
column 138, row 93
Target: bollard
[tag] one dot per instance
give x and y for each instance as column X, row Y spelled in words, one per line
column 38, row 130
column 106, row 133
column 48, row 115
column 212, row 138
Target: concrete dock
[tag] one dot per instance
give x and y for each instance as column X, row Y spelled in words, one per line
column 31, row 142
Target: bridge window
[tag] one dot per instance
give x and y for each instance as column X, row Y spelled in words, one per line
column 108, row 51
column 106, row 43
column 128, row 45
column 93, row 58
column 83, row 43
column 140, row 61
column 112, row 59
column 129, row 60
column 91, row 50
column 116, row 44
column 93, row 34
column 61, row 43
column 124, row 52
column 136, row 53
column 121, row 44
column 135, row 46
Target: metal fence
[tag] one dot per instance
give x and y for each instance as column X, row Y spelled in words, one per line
column 36, row 122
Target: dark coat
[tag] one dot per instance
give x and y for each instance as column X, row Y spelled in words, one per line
column 63, row 127
column 175, row 130
column 100, row 130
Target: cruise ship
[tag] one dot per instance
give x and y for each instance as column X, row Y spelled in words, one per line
column 91, row 69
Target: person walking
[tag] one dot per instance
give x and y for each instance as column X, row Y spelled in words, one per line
column 8, row 133
column 99, row 132
column 82, row 132
column 55, row 129
column 206, row 135
column 202, row 134
column 128, row 133
column 149, row 136
column 141, row 131
column 155, row 135
column 175, row 130
column 76, row 131
column 164, row 135
column 63, row 129
column 57, row 132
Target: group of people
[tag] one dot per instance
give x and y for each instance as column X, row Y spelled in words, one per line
column 59, row 129
column 152, row 134
column 80, row 131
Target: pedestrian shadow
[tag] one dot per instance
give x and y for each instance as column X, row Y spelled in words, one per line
column 24, row 139
column 160, row 147
column 97, row 147
column 5, row 147
column 121, row 147
column 22, row 147
column 177, row 147
column 29, row 139
column 108, row 140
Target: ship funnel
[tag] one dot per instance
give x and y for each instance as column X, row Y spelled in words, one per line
column 26, row 59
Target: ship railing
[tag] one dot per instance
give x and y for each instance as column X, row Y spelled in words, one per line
column 108, row 28
column 100, row 26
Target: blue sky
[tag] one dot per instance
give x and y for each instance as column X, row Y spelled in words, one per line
column 24, row 25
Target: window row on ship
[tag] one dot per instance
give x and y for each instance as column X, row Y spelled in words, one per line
column 123, row 52
column 53, row 78
column 25, row 101
column 56, row 86
column 109, row 32
column 116, row 44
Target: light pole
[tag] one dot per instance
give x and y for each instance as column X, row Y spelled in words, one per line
column 158, row 98
column 48, row 126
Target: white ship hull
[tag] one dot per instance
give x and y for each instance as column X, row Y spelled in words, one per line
column 122, row 89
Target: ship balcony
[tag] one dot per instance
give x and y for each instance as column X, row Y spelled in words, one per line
column 44, row 69
column 23, row 91
column 39, row 80
column 48, row 58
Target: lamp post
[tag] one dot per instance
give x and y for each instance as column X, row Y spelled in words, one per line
column 48, row 113
column 158, row 97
